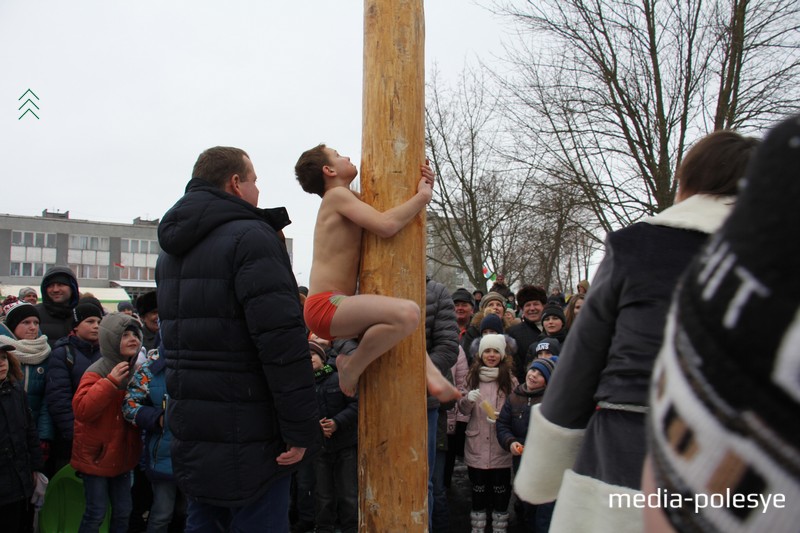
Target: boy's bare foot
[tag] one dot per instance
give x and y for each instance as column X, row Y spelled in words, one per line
column 441, row 389
column 438, row 385
column 348, row 383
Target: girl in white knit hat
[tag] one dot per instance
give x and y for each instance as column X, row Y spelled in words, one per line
column 489, row 381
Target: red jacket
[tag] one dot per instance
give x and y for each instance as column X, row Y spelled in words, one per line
column 104, row 443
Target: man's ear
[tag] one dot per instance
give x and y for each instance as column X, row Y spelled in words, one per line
column 233, row 186
column 328, row 171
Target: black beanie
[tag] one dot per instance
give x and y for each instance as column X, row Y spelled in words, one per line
column 83, row 311
column 493, row 322
column 19, row 312
column 556, row 311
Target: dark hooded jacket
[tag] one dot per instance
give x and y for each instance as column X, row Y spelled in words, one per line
column 239, row 375
column 105, row 444
column 55, row 320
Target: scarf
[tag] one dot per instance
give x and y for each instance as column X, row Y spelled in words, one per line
column 489, row 374
column 29, row 352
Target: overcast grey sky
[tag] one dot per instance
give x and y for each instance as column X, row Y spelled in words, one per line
column 131, row 92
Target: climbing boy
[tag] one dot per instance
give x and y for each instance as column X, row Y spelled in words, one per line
column 332, row 309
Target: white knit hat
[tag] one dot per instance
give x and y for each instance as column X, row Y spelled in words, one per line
column 498, row 342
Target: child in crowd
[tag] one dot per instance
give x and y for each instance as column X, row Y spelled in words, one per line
column 336, row 468
column 512, row 427
column 332, row 308
column 145, row 406
column 70, row 358
column 547, row 347
column 106, row 447
column 21, row 461
column 490, row 380
column 492, row 324
column 554, row 323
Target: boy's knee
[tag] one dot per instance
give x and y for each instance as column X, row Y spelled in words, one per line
column 409, row 315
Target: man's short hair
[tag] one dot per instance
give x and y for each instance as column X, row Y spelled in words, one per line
column 216, row 165
column 309, row 170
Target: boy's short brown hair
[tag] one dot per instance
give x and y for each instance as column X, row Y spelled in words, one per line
column 217, row 164
column 309, row 170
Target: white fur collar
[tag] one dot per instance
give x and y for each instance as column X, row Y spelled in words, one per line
column 699, row 212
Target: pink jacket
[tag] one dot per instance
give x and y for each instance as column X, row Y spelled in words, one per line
column 459, row 370
column 482, row 449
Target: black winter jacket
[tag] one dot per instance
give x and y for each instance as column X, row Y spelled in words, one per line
column 20, row 454
column 238, row 371
column 525, row 333
column 334, row 405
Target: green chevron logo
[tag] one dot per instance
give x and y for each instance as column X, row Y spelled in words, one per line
column 28, row 108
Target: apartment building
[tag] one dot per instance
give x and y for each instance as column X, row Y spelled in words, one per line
column 113, row 261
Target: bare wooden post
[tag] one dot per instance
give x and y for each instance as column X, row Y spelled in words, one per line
column 392, row 433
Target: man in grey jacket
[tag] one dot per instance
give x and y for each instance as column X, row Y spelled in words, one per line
column 441, row 342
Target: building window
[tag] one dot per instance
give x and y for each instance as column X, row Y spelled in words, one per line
column 33, row 238
column 88, row 242
column 90, row 271
column 139, row 246
column 138, row 274
column 27, row 269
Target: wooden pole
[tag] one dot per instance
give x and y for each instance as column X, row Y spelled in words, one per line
column 392, row 432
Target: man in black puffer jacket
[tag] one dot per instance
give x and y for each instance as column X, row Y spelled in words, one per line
column 242, row 409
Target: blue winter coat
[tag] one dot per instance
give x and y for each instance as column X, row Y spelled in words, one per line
column 68, row 361
column 239, row 373
column 512, row 424
column 145, row 402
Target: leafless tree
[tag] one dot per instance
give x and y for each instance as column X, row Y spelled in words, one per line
column 611, row 92
column 477, row 216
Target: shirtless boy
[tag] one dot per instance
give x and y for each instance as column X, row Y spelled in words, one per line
column 332, row 309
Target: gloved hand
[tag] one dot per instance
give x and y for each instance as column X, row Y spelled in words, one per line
column 40, row 482
column 44, row 445
column 474, row 395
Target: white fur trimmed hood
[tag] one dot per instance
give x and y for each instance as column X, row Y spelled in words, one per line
column 699, row 212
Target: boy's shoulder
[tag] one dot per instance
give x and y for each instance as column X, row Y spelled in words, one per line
column 338, row 194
